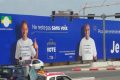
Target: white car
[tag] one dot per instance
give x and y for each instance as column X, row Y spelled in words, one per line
column 53, row 76
column 37, row 64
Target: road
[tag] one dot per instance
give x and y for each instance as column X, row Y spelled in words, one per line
column 99, row 75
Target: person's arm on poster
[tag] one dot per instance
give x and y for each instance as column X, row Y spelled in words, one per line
column 17, row 53
column 94, row 53
column 35, row 45
column 80, row 52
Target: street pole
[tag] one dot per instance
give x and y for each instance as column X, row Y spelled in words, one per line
column 104, row 36
column 84, row 12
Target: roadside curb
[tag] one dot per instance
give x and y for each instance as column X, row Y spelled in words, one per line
column 67, row 66
column 106, row 64
column 95, row 69
column 96, row 66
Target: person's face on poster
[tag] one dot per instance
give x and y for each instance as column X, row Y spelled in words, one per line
column 24, row 30
column 87, row 31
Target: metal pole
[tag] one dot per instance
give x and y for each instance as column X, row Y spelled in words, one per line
column 104, row 37
column 84, row 12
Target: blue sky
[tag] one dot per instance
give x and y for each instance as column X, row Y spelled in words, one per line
column 44, row 7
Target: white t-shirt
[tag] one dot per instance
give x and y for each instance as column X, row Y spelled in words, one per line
column 25, row 49
column 87, row 49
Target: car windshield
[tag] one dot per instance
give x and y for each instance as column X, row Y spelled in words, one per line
column 63, row 78
column 35, row 62
column 40, row 77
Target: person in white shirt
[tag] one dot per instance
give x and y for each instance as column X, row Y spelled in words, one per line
column 87, row 48
column 25, row 48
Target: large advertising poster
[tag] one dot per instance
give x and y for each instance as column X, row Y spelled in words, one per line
column 113, row 39
column 58, row 41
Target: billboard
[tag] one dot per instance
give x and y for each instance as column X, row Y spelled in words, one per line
column 58, row 41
